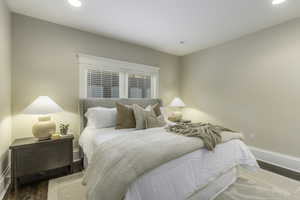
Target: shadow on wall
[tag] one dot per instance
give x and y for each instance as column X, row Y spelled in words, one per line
column 5, row 140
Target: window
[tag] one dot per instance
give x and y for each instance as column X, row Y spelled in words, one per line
column 102, row 84
column 107, row 78
column 139, row 86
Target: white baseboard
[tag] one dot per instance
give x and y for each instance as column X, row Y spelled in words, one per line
column 277, row 159
column 4, row 182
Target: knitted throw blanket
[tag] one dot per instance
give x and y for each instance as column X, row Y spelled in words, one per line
column 210, row 134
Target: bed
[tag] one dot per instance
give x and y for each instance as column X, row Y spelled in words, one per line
column 200, row 174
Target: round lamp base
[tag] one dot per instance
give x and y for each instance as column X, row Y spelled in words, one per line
column 44, row 128
column 175, row 116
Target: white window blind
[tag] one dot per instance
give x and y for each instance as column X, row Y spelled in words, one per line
column 102, row 84
column 107, row 78
column 139, row 86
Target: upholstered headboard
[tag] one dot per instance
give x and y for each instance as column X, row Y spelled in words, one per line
column 85, row 104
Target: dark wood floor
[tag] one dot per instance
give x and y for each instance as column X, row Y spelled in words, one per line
column 33, row 191
column 37, row 189
column 279, row 170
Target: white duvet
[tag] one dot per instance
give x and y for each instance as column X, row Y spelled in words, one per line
column 179, row 178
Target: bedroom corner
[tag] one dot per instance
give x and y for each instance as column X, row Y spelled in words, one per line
column 5, row 93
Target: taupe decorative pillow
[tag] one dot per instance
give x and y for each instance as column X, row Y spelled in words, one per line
column 125, row 117
column 156, row 109
column 154, row 122
column 140, row 114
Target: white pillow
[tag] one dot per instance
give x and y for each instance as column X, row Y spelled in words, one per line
column 100, row 117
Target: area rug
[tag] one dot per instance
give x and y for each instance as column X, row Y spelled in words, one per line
column 260, row 185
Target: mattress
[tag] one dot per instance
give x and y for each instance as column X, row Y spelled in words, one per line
column 180, row 178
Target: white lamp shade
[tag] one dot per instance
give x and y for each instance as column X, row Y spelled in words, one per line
column 41, row 106
column 177, row 102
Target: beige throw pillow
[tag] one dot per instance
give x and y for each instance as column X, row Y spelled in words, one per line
column 154, row 122
column 125, row 117
column 140, row 114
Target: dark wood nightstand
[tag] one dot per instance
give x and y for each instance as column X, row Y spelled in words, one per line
column 185, row 121
column 30, row 156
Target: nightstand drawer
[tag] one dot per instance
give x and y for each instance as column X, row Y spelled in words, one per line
column 42, row 157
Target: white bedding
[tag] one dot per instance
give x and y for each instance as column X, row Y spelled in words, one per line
column 91, row 137
column 179, row 178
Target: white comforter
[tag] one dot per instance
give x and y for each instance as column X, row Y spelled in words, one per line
column 179, row 178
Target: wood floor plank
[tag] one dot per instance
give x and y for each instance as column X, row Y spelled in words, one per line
column 34, row 191
column 38, row 190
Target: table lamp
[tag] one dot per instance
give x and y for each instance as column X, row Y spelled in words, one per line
column 176, row 115
column 43, row 106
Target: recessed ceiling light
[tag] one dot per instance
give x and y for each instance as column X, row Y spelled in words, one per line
column 276, row 2
column 75, row 3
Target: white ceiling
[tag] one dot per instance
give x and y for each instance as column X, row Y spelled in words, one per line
column 162, row 24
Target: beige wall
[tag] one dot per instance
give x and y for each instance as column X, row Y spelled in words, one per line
column 5, row 84
column 251, row 84
column 44, row 63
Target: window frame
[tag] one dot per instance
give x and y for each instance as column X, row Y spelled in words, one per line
column 87, row 62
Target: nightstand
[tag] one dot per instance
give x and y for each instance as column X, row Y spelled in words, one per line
column 183, row 122
column 30, row 156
